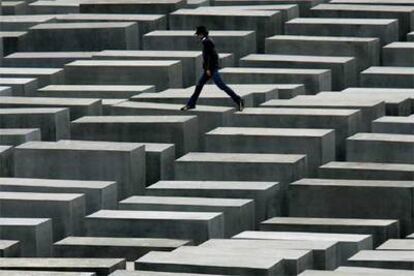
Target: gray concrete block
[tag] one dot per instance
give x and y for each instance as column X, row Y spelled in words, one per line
column 98, row 194
column 42, row 273
column 66, row 210
column 365, row 50
column 6, row 160
column 344, row 121
column 21, row 86
column 131, row 6
column 13, row 42
column 179, row 130
column 317, row 144
column 397, row 244
column 9, row 248
column 410, row 36
column 196, row 226
column 5, row 91
column 264, row 23
column 35, row 235
column 391, row 259
column 77, row 107
column 17, row 136
column 108, row 161
column 287, row 91
column 387, row 77
column 44, row 76
column 376, row 271
column 77, row 36
column 53, row 123
column 240, row 43
column 101, row 247
column 14, row 7
column 381, row 230
column 265, row 194
column 374, row 2
column 156, row 273
column 338, row 198
column 394, row 124
column 367, row 170
column 20, row 23
column 398, row 54
column 55, row 7
column 101, row 267
column 315, row 80
column 238, row 213
column 343, row 69
column 44, row 59
column 384, row 29
column 162, row 74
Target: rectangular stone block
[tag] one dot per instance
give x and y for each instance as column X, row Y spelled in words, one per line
column 398, row 54
column 13, row 42
column 156, row 273
column 381, row 230
column 53, row 123
column 162, row 74
column 21, row 23
column 240, row 43
column 44, row 59
column 384, row 29
column 317, row 144
column 391, row 259
column 343, row 69
column 238, row 213
column 77, row 107
column 365, row 50
column 101, row 247
column 66, row 210
column 377, row 271
column 44, row 76
column 14, row 7
column 101, row 267
column 265, row 194
column 35, row 235
column 344, row 121
column 98, row 194
column 108, row 161
column 42, row 273
column 5, row 91
column 17, row 136
column 287, row 91
column 179, row 130
column 374, row 2
column 6, row 160
column 394, row 124
column 77, row 36
column 9, row 248
column 21, row 86
column 264, row 23
column 55, row 7
column 131, row 6
column 388, row 76
column 196, row 226
column 338, row 198
column 315, row 80
column 367, row 170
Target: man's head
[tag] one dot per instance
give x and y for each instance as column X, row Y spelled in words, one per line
column 201, row 31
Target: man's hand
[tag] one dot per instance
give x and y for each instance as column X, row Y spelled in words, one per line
column 208, row 72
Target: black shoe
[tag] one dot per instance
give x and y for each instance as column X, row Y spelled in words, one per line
column 240, row 105
column 187, row 107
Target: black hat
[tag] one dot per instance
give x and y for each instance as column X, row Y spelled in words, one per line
column 201, row 30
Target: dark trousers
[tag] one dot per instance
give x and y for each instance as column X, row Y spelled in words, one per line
column 220, row 84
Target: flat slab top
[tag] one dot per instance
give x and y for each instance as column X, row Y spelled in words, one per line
column 136, row 2
column 389, row 70
column 393, row 2
column 59, row 262
column 86, row 25
column 186, row 93
column 156, row 273
column 49, row 55
column 42, row 273
column 275, row 132
column 400, row 45
column 153, row 54
column 17, row 131
column 330, row 221
column 364, row 96
column 26, row 18
column 324, row 38
column 153, row 215
column 383, row 256
column 395, row 120
column 369, row 166
column 132, row 88
column 47, row 101
column 354, row 183
column 317, row 101
column 298, row 112
column 190, row 34
column 129, row 242
column 281, row 71
column 23, row 221
column 16, row 81
column 375, row 271
column 7, row 243
column 343, row 21
column 172, row 107
column 365, row 8
column 297, row 58
column 123, row 63
column 82, row 145
column 373, row 90
column 39, row 196
column 109, row 16
column 144, row 119
column 70, row 3
column 186, row 201
column 213, row 185
column 28, row 111
column 383, row 137
column 54, row 183
column 224, row 12
column 258, row 158
column 251, row 88
column 397, row 244
column 279, row 235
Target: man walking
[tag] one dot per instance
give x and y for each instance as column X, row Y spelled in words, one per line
column 210, row 67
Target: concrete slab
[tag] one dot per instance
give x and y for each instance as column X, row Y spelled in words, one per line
column 20, row 23
column 6, row 160
column 13, row 42
column 44, row 76
column 376, row 271
column 394, row 124
column 42, row 273
column 5, row 91
column 398, row 54
column 44, row 59
column 388, row 77
column 383, row 259
column 9, row 248
column 374, row 2
column 21, row 86
column 14, row 7
column 131, row 6
column 156, row 273
column 196, row 226
column 56, row 7
column 17, row 136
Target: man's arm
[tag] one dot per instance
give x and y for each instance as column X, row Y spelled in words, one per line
column 209, row 49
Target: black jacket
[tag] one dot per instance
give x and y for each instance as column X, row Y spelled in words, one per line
column 210, row 56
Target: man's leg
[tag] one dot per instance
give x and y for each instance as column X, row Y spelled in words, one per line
column 201, row 82
column 220, row 83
